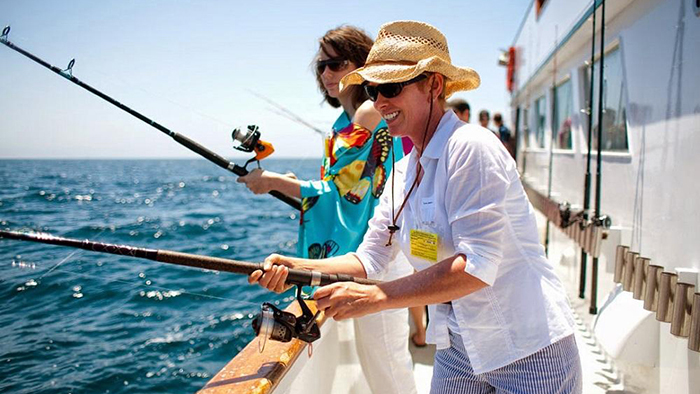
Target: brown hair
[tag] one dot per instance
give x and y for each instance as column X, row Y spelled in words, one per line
column 350, row 43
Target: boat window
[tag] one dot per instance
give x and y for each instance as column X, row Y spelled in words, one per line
column 614, row 111
column 540, row 117
column 697, row 7
column 563, row 113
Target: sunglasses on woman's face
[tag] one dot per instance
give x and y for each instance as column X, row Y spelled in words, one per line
column 334, row 64
column 390, row 90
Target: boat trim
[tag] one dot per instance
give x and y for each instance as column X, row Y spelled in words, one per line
column 564, row 41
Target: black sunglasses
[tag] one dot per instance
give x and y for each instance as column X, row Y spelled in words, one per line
column 390, row 90
column 334, row 64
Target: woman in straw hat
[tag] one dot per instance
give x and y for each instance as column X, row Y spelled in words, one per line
column 498, row 314
column 335, row 210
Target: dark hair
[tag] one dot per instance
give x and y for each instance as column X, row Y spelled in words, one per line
column 350, row 43
column 497, row 118
column 484, row 113
column 459, row 105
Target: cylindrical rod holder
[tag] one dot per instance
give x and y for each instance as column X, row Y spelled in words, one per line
column 586, row 239
column 640, row 277
column 620, row 263
column 667, row 291
column 651, row 298
column 597, row 236
column 628, row 282
column 682, row 307
column 694, row 336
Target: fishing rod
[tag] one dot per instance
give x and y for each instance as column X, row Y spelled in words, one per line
column 601, row 84
column 587, row 178
column 271, row 323
column 245, row 141
column 553, row 136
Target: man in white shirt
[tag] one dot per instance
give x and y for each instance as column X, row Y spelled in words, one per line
column 498, row 314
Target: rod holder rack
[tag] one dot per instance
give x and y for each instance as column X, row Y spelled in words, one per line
column 673, row 300
column 587, row 233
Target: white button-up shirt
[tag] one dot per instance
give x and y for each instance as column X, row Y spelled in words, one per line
column 472, row 199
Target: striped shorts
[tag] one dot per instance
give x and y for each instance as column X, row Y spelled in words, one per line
column 555, row 369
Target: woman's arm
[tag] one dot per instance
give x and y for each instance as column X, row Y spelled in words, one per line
column 276, row 268
column 261, row 181
column 443, row 282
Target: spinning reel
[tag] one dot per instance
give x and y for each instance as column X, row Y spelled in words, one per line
column 249, row 141
column 282, row 326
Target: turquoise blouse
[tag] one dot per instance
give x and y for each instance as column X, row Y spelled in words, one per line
column 336, row 209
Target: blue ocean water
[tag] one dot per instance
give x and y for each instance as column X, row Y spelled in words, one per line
column 73, row 321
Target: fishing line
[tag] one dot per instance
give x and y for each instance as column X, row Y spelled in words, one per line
column 137, row 285
column 163, row 98
column 67, row 257
column 285, row 112
column 141, row 285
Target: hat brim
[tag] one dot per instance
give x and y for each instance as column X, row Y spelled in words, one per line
column 458, row 78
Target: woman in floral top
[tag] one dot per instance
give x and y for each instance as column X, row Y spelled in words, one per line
column 358, row 157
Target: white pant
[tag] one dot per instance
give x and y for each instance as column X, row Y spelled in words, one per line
column 381, row 340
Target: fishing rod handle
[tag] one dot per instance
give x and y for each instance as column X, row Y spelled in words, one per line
column 295, row 276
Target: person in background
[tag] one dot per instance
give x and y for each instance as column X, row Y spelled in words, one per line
column 461, row 109
column 358, row 158
column 503, row 132
column 484, row 118
column 456, row 207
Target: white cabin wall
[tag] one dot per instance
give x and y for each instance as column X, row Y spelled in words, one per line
column 649, row 191
column 665, row 118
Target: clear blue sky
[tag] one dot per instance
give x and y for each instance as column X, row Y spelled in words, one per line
column 190, row 65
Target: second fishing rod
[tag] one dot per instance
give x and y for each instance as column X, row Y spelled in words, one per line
column 272, row 323
column 245, row 140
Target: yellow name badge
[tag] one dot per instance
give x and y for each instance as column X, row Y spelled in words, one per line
column 424, row 245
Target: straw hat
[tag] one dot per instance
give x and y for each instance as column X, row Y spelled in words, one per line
column 405, row 49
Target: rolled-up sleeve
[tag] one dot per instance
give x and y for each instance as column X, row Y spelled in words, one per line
column 314, row 188
column 373, row 252
column 475, row 203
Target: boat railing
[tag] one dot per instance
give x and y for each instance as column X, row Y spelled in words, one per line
column 586, row 233
column 670, row 295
